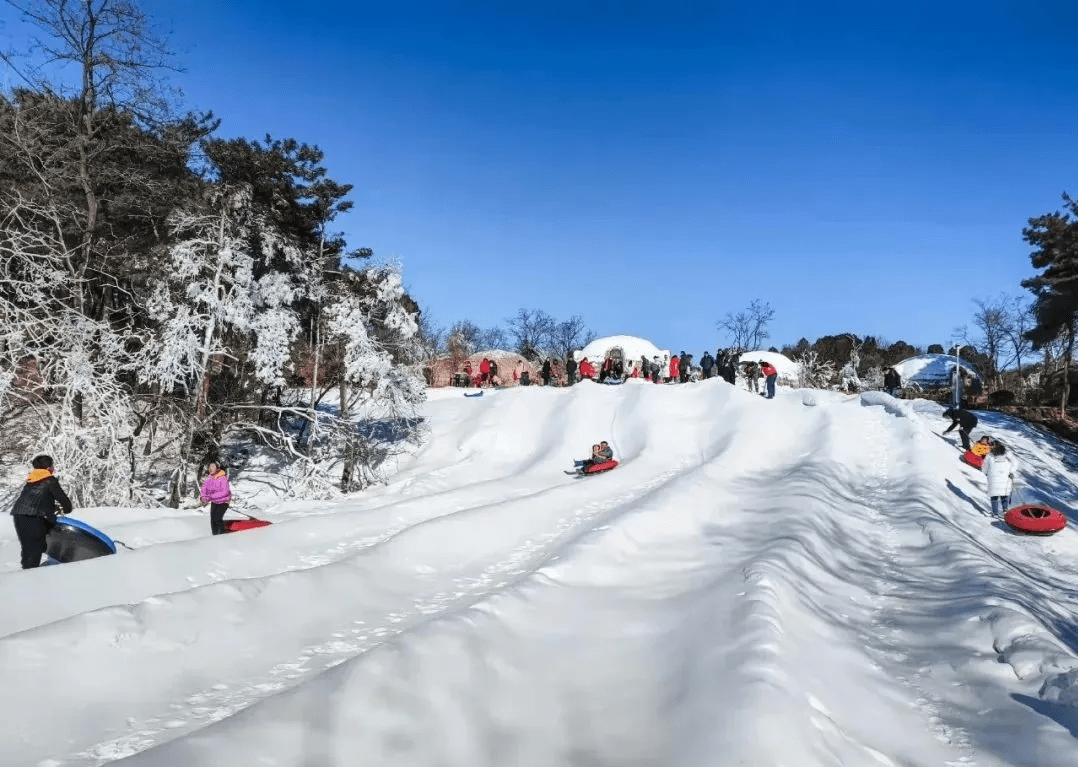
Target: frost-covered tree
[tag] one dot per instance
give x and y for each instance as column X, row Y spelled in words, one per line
column 814, row 373
column 63, row 376
column 372, row 320
column 216, row 300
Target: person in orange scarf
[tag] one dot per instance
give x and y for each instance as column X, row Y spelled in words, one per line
column 218, row 494
column 34, row 512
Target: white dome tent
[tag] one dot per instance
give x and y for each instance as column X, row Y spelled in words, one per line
column 632, row 349
column 932, row 371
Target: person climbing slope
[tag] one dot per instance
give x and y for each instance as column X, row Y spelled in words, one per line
column 999, row 470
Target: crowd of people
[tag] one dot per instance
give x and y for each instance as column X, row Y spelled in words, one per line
column 552, row 371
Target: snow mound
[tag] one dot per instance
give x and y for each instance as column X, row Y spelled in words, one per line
column 789, row 370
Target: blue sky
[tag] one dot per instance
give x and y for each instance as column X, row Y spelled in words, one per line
column 862, row 167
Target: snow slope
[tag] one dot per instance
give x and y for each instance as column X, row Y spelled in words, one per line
column 811, row 580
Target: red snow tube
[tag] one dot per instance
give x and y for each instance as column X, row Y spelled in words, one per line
column 974, row 460
column 235, row 525
column 598, row 468
column 1035, row 520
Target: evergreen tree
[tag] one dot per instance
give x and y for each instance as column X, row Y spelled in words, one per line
column 1054, row 237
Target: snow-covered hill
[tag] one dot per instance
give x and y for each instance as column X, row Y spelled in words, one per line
column 811, row 580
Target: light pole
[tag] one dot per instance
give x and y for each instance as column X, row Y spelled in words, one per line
column 956, row 386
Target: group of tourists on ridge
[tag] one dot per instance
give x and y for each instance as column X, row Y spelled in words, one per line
column 678, row 369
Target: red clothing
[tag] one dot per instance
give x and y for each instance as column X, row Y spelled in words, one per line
column 768, row 370
column 586, row 370
column 675, row 367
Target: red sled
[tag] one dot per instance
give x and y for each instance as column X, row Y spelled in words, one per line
column 1034, row 519
column 974, row 460
column 597, row 468
column 235, row 525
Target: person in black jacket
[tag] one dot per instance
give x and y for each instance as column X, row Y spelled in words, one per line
column 892, row 381
column 34, row 512
column 964, row 420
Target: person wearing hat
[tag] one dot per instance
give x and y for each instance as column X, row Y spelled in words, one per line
column 34, row 512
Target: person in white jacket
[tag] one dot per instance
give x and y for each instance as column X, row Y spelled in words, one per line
column 999, row 469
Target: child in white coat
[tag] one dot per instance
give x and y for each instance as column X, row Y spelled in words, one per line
column 999, row 469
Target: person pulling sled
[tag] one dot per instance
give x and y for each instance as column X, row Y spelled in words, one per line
column 964, row 420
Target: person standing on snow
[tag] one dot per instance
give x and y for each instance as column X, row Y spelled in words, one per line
column 675, row 367
column 892, row 381
column 999, row 469
column 685, row 367
column 707, row 364
column 964, row 420
column 217, row 493
column 34, row 512
column 752, row 373
column 570, row 370
column 770, row 376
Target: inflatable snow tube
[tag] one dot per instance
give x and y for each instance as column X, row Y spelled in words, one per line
column 72, row 540
column 974, row 460
column 599, row 468
column 1034, row 519
column 236, row 525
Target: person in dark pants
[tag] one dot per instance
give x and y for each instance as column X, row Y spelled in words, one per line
column 217, row 493
column 964, row 420
column 892, row 381
column 34, row 512
column 570, row 370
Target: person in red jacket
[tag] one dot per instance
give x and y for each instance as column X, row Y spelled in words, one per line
column 484, row 372
column 770, row 375
column 675, row 368
column 587, row 370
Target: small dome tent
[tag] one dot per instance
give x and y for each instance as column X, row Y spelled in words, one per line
column 932, row 371
column 632, row 349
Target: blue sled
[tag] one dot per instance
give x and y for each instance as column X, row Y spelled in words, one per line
column 72, row 540
column 477, row 394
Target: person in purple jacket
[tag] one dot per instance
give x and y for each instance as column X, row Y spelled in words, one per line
column 217, row 493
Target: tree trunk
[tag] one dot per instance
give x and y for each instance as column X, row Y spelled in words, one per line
column 349, row 456
column 1067, row 358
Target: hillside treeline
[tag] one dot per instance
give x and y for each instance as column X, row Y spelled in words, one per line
column 165, row 292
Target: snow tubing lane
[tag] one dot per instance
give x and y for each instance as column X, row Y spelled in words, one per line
column 236, row 525
column 973, row 459
column 599, row 468
column 72, row 540
column 1035, row 520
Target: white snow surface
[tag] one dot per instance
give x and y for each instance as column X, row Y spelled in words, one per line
column 806, row 581
column 632, row 346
